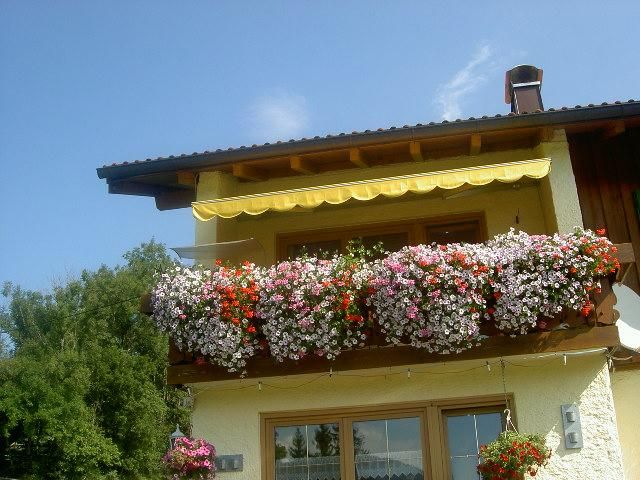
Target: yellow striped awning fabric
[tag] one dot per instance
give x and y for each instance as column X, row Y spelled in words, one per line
column 311, row 197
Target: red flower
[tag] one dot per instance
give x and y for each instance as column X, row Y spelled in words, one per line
column 601, row 231
column 586, row 310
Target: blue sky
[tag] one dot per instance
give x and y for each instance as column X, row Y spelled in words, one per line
column 85, row 83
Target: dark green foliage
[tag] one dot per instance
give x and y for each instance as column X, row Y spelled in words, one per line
column 82, row 389
column 326, row 440
column 298, row 448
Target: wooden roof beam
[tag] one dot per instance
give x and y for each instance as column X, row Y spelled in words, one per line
column 415, row 149
column 613, row 130
column 301, row 165
column 357, row 158
column 475, row 144
column 186, row 178
column 545, row 134
column 247, row 172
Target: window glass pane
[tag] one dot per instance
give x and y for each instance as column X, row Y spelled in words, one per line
column 465, row 434
column 489, row 427
column 323, row 248
column 462, row 437
column 391, row 242
column 464, row 232
column 307, row 452
column 464, row 468
column 388, row 449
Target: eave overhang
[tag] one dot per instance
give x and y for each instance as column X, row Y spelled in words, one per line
column 166, row 174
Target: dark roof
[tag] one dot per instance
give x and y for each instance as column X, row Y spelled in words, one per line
column 197, row 160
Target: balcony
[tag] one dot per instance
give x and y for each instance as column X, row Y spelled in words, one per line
column 568, row 329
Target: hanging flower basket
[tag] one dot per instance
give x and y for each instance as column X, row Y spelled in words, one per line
column 191, row 459
column 513, row 455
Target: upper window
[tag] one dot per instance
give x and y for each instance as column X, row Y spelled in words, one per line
column 393, row 236
column 383, row 443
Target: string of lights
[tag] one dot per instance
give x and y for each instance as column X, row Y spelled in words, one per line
column 409, row 372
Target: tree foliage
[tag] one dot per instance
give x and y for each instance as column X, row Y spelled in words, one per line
column 82, row 377
column 298, row 448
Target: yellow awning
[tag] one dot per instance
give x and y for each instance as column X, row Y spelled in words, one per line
column 311, row 197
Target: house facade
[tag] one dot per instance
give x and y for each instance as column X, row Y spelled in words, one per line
column 392, row 411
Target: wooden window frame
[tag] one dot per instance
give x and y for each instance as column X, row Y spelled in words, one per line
column 432, row 414
column 416, row 228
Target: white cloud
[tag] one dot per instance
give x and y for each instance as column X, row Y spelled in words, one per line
column 280, row 116
column 464, row 82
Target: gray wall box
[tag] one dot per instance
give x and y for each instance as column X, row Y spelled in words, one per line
column 572, row 426
column 229, row 463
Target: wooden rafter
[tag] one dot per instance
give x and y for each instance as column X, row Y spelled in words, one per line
column 545, row 134
column 186, row 178
column 475, row 144
column 415, row 149
column 613, row 130
column 301, row 165
column 175, row 199
column 357, row 158
column 247, row 172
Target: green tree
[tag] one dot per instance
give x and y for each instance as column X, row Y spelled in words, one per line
column 298, row 448
column 326, row 440
column 83, row 388
column 359, row 442
column 280, row 450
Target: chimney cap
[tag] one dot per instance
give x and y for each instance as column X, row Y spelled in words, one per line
column 520, row 74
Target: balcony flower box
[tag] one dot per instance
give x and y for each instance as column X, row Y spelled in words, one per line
column 439, row 299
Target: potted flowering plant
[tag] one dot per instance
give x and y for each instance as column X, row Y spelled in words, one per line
column 310, row 307
column 513, row 455
column 535, row 276
column 441, row 298
column 211, row 312
column 429, row 296
column 191, row 459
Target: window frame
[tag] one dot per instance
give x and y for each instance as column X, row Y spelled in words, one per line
column 416, row 228
column 432, row 414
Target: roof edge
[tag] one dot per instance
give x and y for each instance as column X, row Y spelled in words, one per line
column 551, row 117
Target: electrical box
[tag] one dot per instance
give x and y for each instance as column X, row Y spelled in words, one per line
column 572, row 426
column 229, row 463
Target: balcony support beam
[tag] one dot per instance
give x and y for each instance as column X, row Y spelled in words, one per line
column 390, row 356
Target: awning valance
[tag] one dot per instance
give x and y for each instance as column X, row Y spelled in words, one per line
column 311, row 197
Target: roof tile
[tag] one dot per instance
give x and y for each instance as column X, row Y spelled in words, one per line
column 368, row 131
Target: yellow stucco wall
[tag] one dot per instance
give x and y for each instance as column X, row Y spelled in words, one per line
column 558, row 190
column 229, row 417
column 626, row 394
column 542, row 207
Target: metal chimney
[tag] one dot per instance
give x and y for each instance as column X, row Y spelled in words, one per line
column 522, row 87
